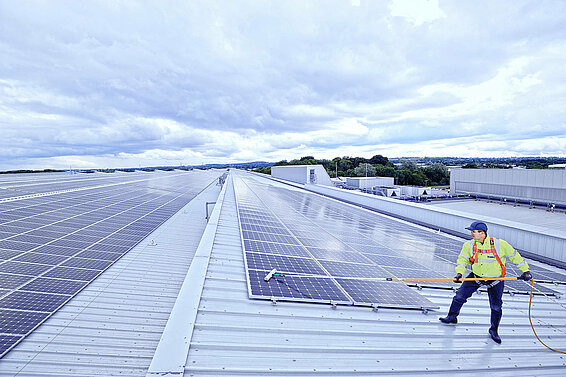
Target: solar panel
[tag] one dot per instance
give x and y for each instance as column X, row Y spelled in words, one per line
column 269, row 237
column 267, row 262
column 385, row 294
column 11, row 281
column 338, row 255
column 355, row 270
column 52, row 246
column 20, row 322
column 72, row 273
column 22, row 268
column 303, row 288
column 7, row 342
column 319, row 282
column 41, row 302
column 275, row 248
column 47, row 285
column 344, row 241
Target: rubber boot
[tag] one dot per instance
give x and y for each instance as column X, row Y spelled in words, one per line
column 494, row 335
column 453, row 312
column 493, row 330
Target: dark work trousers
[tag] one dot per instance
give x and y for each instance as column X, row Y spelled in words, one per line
column 467, row 288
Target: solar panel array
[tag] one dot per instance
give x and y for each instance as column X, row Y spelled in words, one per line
column 52, row 246
column 302, row 233
column 275, row 236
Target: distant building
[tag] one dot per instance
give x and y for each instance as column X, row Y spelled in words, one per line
column 557, row 166
column 368, row 182
column 303, row 174
column 537, row 185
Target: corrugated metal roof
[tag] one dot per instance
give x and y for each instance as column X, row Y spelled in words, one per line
column 237, row 336
column 113, row 326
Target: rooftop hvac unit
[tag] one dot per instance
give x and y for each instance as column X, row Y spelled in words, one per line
column 415, row 190
column 393, row 192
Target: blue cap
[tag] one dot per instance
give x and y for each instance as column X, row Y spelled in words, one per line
column 478, row 225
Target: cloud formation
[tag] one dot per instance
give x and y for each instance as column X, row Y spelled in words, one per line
column 128, row 83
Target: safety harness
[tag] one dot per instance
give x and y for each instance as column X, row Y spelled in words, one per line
column 493, row 251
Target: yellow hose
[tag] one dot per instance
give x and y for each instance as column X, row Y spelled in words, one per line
column 530, row 320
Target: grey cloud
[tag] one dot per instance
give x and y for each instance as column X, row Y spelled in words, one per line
column 92, row 78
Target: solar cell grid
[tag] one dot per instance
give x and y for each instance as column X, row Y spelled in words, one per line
column 274, row 248
column 309, row 234
column 47, row 285
column 57, row 250
column 303, row 288
column 355, row 269
column 357, row 240
column 116, row 242
column 72, row 273
column 22, row 268
column 9, row 254
column 83, row 238
column 390, row 261
column 269, row 237
column 402, row 273
column 519, row 286
column 268, row 229
column 329, row 244
column 28, row 225
column 12, row 229
column 56, row 228
column 42, row 302
column 259, row 222
column 31, row 239
column 102, row 255
column 4, row 235
column 6, row 217
column 252, row 212
column 89, row 232
column 257, row 217
column 549, row 276
column 7, row 342
column 260, row 261
column 15, row 245
column 338, row 255
column 373, row 249
column 41, row 258
column 86, row 263
column 13, row 281
column 393, row 294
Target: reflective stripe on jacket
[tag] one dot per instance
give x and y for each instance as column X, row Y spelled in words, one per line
column 487, row 265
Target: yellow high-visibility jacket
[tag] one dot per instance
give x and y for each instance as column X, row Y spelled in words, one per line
column 487, row 265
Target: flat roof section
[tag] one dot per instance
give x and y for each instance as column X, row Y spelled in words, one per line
column 520, row 214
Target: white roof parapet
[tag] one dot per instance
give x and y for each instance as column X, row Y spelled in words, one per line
column 171, row 353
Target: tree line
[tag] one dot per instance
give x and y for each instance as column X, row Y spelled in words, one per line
column 406, row 172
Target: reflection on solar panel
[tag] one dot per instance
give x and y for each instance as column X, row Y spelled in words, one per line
column 54, row 244
column 311, row 235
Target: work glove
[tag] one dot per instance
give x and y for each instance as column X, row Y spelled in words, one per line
column 526, row 276
column 457, row 278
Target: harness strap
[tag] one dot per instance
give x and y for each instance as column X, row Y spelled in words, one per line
column 493, row 250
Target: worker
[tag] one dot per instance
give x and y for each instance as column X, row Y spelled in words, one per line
column 487, row 256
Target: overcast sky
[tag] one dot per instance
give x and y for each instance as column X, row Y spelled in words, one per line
column 128, row 83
